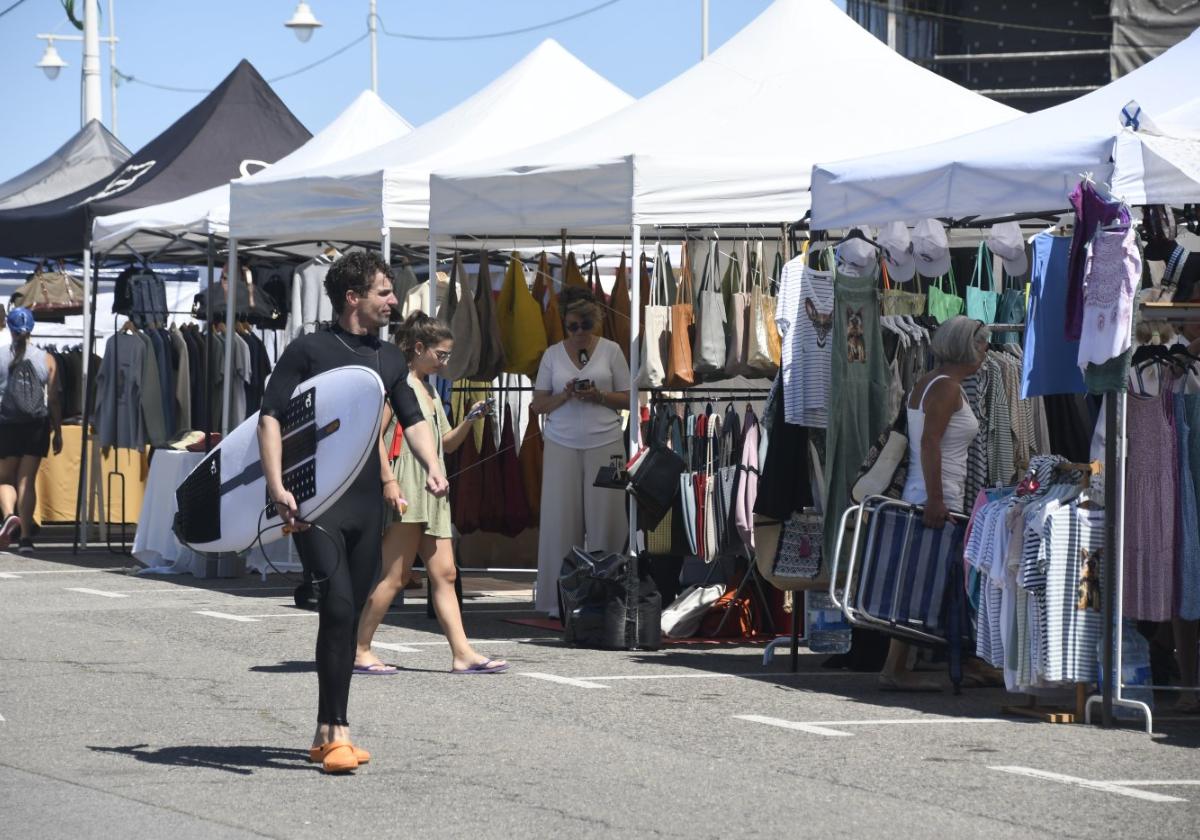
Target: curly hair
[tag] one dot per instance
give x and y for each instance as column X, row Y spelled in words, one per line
column 576, row 300
column 353, row 272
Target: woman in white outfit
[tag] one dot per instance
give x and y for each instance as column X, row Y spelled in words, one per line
column 582, row 386
column 941, row 426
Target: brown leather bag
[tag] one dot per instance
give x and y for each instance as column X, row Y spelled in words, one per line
column 491, row 346
column 531, row 467
column 597, row 290
column 491, row 503
column 738, row 625
column 51, row 293
column 467, row 488
column 617, row 312
column 543, row 293
column 517, row 516
column 572, row 276
column 679, row 361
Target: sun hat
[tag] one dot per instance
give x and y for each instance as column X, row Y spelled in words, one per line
column 897, row 252
column 931, row 249
column 1006, row 242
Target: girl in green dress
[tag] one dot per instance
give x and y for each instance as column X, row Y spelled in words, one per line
column 423, row 526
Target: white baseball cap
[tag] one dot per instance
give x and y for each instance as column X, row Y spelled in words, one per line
column 856, row 257
column 1006, row 242
column 897, row 252
column 930, row 248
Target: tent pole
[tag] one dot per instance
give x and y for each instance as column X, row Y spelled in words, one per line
column 83, row 503
column 433, row 301
column 230, row 317
column 635, row 331
column 206, row 419
column 385, row 251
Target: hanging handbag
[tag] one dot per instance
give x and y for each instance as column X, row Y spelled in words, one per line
column 491, row 502
column 758, row 346
column 458, row 310
column 679, row 358
column 656, row 336
column 572, row 276
column 982, row 303
column 467, row 485
column 593, row 283
column 944, row 305
column 517, row 516
column 770, row 309
column 662, row 539
column 798, row 555
column 618, row 310
column 898, row 301
column 51, row 293
column 522, row 333
column 747, row 486
column 543, row 293
column 491, row 350
column 885, row 469
column 708, row 349
column 711, row 488
column 729, row 445
column 1010, row 310
column 654, row 483
column 737, row 306
column 531, row 458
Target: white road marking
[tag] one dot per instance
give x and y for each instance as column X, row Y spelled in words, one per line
column 9, row 576
column 554, row 678
column 826, row 727
column 771, row 676
column 100, row 592
column 1157, row 783
column 23, row 572
column 1103, row 787
column 395, row 648
column 226, row 616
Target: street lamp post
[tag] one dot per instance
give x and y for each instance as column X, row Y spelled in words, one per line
column 51, row 63
column 303, row 22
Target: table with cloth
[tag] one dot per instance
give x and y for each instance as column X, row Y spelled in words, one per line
column 58, row 482
column 155, row 544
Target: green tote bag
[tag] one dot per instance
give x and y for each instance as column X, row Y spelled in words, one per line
column 944, row 305
column 981, row 302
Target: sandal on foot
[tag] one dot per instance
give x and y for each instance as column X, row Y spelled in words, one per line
column 487, row 666
column 317, row 754
column 377, row 669
column 338, row 757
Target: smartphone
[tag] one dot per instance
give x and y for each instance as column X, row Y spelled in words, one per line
column 583, row 384
column 476, row 413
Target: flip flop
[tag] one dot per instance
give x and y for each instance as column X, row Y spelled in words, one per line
column 377, row 669
column 487, row 666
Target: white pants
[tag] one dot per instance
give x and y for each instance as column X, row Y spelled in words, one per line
column 574, row 513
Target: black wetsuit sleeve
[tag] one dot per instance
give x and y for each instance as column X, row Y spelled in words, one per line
column 291, row 369
column 404, row 403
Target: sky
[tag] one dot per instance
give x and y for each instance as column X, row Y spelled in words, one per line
column 637, row 44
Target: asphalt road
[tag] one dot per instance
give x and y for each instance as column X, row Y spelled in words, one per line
column 142, row 707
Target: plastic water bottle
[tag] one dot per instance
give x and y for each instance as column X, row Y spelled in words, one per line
column 828, row 630
column 1136, row 674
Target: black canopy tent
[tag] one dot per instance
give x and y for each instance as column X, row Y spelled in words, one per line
column 91, row 154
column 234, row 130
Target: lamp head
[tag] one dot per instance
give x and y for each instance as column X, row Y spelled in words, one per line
column 52, row 63
column 303, row 22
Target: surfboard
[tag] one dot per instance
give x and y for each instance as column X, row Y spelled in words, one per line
column 330, row 429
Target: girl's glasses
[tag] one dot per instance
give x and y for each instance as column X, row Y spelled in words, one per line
column 443, row 356
column 576, row 326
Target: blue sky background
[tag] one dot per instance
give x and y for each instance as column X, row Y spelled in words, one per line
column 636, row 44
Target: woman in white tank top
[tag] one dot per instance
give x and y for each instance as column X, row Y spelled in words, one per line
column 941, row 426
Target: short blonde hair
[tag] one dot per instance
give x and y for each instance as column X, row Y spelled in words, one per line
column 578, row 301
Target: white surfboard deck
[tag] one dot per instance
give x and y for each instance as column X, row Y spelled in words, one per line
column 330, row 430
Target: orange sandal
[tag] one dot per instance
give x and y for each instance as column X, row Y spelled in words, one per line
column 338, row 757
column 316, row 754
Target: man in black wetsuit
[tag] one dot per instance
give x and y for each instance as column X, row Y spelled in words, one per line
column 343, row 555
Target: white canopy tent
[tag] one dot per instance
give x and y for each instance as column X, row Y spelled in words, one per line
column 547, row 93
column 1158, row 161
column 1029, row 164
column 367, row 122
column 731, row 140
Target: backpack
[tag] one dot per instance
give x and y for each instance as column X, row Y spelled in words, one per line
column 24, row 395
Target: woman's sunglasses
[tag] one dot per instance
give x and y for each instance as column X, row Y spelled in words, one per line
column 443, row 356
column 576, row 326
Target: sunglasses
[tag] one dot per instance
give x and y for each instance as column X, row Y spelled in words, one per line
column 443, row 356
column 576, row 326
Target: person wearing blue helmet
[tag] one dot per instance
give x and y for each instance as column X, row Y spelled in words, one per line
column 30, row 420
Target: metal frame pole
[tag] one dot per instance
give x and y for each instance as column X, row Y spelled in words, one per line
column 230, row 317
column 433, row 298
column 635, row 333
column 1113, row 502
